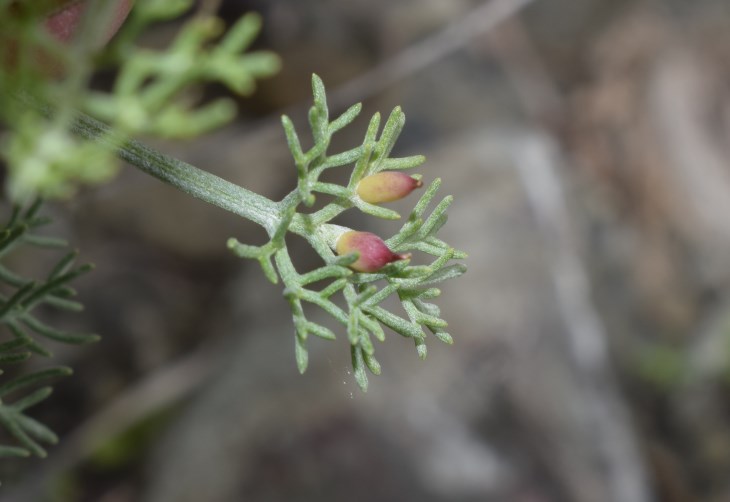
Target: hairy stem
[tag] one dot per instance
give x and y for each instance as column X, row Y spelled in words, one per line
column 183, row 176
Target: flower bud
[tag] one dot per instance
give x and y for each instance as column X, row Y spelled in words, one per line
column 64, row 23
column 386, row 186
column 373, row 253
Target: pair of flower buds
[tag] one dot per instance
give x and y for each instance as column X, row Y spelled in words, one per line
column 373, row 253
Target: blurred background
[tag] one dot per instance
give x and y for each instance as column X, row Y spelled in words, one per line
column 587, row 145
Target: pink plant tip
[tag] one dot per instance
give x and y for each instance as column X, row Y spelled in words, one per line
column 373, row 253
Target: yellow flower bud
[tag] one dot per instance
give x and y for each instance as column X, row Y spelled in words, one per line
column 386, row 186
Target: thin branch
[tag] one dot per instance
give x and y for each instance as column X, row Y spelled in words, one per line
column 191, row 180
column 537, row 160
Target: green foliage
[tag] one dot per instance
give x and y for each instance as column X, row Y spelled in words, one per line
column 40, row 154
column 25, row 334
column 43, row 87
column 50, row 146
column 363, row 316
column 49, row 159
column 149, row 96
column 153, row 95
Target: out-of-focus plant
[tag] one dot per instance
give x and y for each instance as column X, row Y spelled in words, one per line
column 27, row 332
column 48, row 50
column 57, row 134
column 152, row 95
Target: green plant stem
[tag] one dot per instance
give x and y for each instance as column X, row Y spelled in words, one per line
column 183, row 176
column 202, row 184
column 209, row 187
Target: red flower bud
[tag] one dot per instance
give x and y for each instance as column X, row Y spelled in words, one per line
column 374, row 254
column 386, row 186
column 64, row 23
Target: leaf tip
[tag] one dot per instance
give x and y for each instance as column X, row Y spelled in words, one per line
column 444, row 337
column 318, row 88
column 362, row 381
